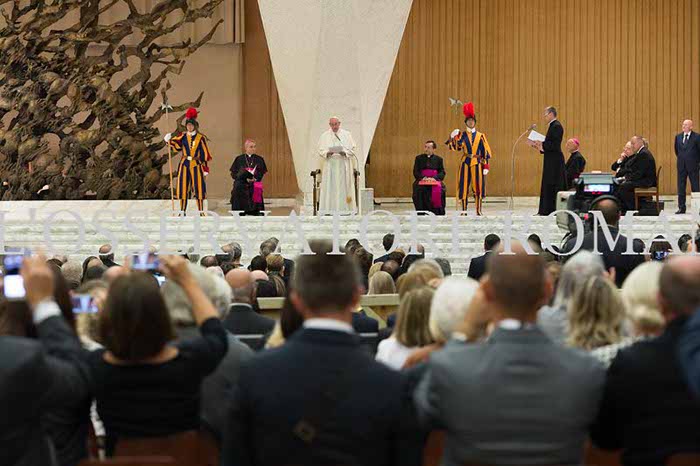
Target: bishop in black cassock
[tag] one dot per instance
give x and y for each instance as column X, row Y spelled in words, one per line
column 247, row 172
column 575, row 164
column 429, row 165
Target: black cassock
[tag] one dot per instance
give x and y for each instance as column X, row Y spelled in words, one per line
column 553, row 169
column 423, row 195
column 574, row 167
column 243, row 179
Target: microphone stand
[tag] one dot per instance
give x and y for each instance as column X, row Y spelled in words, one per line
column 512, row 168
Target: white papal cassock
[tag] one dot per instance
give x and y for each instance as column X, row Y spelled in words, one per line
column 337, row 184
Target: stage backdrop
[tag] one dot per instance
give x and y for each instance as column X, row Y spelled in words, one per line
column 613, row 68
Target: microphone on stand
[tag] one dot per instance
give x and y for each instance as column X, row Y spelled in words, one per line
column 512, row 164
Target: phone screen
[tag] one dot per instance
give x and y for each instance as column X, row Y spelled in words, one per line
column 13, row 286
column 144, row 262
column 83, row 304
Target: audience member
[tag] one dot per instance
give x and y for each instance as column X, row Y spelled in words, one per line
column 215, row 387
column 107, row 255
column 647, row 409
column 411, row 331
column 612, row 258
column 364, row 260
column 73, row 273
column 90, row 261
column 376, row 267
column 553, row 319
column 44, row 383
column 429, row 269
column 113, row 273
column 145, row 386
column 290, row 321
column 477, row 265
column 322, row 414
column 445, row 266
column 259, row 275
column 61, row 295
column 86, row 323
column 387, row 242
column 684, row 242
column 511, row 426
column 209, row 261
column 595, row 311
column 215, row 271
column 660, row 249
column 241, row 318
column 235, row 252
column 276, row 272
column 94, row 273
column 382, row 283
column 392, row 268
column 449, row 306
column 535, row 243
column 351, row 245
column 265, row 289
column 411, row 257
column 288, row 263
column 258, row 263
column 643, row 319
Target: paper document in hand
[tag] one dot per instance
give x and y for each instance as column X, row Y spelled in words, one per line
column 336, row 149
column 535, row 136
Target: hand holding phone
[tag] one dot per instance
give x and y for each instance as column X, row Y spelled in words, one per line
column 83, row 304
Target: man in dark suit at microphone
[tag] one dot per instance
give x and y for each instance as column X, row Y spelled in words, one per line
column 553, row 170
column 687, row 148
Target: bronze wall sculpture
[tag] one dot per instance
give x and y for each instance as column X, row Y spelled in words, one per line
column 63, row 121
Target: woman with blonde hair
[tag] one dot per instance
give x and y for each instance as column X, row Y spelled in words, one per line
column 644, row 319
column 412, row 329
column 595, row 311
column 275, row 272
column 380, row 283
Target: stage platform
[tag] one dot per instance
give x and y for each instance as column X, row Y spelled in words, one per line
column 78, row 228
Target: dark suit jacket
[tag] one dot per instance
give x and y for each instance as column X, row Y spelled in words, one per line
column 42, row 391
column 69, row 422
column 477, row 266
column 516, row 399
column 280, row 387
column 574, row 167
column 688, row 153
column 620, row 168
column 624, row 264
column 641, row 170
column 647, row 407
column 243, row 320
column 364, row 324
column 553, row 169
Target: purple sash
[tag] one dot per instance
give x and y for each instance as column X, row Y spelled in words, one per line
column 436, row 191
column 257, row 192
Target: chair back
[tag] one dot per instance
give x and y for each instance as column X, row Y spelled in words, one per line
column 658, row 177
column 189, row 448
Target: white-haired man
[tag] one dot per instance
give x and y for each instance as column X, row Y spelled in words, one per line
column 337, row 149
column 215, row 387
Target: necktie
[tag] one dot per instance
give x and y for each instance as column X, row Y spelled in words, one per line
column 685, row 139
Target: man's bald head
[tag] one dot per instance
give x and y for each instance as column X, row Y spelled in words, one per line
column 259, row 275
column 516, row 282
column 610, row 210
column 679, row 286
column 242, row 285
column 687, row 126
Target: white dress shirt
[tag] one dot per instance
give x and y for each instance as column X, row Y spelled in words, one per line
column 328, row 324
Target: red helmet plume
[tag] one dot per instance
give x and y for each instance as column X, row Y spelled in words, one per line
column 468, row 111
column 191, row 113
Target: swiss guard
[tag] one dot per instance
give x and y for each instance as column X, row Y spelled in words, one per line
column 194, row 163
column 474, row 164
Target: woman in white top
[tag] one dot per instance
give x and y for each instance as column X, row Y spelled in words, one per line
column 412, row 328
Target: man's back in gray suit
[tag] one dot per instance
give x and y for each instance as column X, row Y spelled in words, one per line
column 516, row 399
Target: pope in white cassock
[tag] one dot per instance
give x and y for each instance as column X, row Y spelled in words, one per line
column 337, row 147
